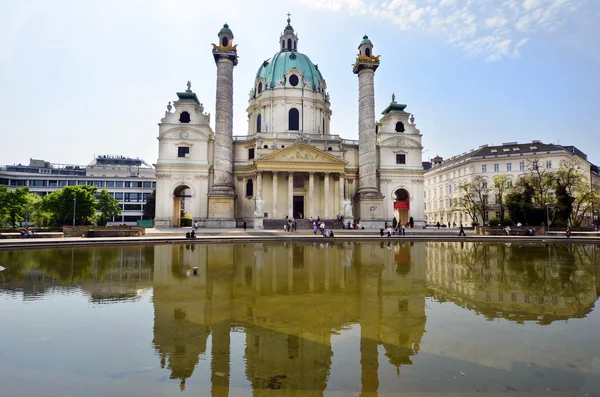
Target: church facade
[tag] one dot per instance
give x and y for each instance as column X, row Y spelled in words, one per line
column 289, row 164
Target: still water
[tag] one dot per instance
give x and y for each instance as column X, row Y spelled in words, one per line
column 285, row 319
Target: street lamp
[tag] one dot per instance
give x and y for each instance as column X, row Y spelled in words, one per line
column 74, row 209
column 547, row 218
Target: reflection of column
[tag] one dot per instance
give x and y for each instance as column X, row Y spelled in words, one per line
column 220, row 360
column 326, row 194
column 259, row 184
column 311, row 194
column 341, row 210
column 274, row 212
column 290, row 268
column 291, row 194
column 370, row 314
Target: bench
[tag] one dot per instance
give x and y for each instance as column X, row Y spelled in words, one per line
column 12, row 235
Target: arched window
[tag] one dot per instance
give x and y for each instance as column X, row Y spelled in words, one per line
column 295, row 45
column 225, row 41
column 399, row 127
column 323, row 125
column 249, row 188
column 283, row 45
column 294, row 80
column 265, row 146
column 289, row 44
column 293, row 120
column 368, row 52
column 258, row 123
column 259, row 87
column 184, row 117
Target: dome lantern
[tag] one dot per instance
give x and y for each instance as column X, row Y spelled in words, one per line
column 288, row 41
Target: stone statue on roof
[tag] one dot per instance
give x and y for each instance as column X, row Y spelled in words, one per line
column 189, row 86
column 393, row 98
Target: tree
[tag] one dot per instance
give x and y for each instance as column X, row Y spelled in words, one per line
column 473, row 198
column 108, row 206
column 150, row 206
column 12, row 203
column 60, row 205
column 541, row 181
column 575, row 195
column 31, row 207
column 501, row 188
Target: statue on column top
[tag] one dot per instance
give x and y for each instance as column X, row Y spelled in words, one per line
column 393, row 98
column 189, row 86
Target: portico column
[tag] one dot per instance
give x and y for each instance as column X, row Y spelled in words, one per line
column 327, row 215
column 311, row 194
column 291, row 194
column 274, row 212
column 259, row 184
column 341, row 211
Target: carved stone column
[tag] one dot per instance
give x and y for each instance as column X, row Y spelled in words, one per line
column 274, row 212
column 259, row 184
column 291, row 194
column 327, row 196
column 342, row 198
column 311, row 194
column 221, row 197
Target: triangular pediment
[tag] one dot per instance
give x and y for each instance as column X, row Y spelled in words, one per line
column 301, row 153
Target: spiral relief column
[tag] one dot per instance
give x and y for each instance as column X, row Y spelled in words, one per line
column 368, row 197
column 221, row 197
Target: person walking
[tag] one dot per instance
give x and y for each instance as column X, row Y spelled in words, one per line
column 294, row 226
column 403, row 230
column 461, row 232
column 314, row 227
column 244, row 224
column 568, row 232
column 438, row 224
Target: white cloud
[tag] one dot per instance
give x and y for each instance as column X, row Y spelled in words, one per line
column 491, row 29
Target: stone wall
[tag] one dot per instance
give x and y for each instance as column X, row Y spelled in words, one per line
column 82, row 231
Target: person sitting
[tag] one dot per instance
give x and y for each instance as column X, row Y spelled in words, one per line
column 507, row 230
column 188, row 234
column 193, row 234
column 331, row 233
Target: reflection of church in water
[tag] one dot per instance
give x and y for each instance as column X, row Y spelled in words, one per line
column 289, row 301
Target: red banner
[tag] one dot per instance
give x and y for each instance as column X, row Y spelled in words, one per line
column 401, row 205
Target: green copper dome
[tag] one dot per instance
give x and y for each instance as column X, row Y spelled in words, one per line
column 365, row 40
column 275, row 68
column 226, row 29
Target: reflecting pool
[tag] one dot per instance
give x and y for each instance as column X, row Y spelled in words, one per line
column 295, row 319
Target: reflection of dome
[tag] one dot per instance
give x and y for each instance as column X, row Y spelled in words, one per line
column 274, row 69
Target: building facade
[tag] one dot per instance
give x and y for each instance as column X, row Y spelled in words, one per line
column 512, row 159
column 129, row 180
column 289, row 165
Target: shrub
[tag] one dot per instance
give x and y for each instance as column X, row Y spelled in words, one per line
column 186, row 220
column 509, row 222
column 494, row 221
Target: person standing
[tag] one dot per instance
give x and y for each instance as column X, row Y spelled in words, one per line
column 568, row 232
column 244, row 224
column 438, row 224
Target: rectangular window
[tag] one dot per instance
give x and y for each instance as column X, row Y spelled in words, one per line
column 110, row 184
column 127, row 184
column 127, row 197
column 90, row 183
column 53, row 183
column 132, row 207
column 484, row 168
column 509, row 183
column 508, row 166
column 119, row 184
column 145, row 197
column 498, row 214
column 496, row 167
column 62, row 183
column 38, row 183
column 119, row 196
column 549, row 164
column 147, row 185
column 183, row 151
column 153, row 184
column 80, row 183
column 250, row 153
column 99, row 183
column 72, row 183
column 535, row 164
column 400, row 159
column 522, row 166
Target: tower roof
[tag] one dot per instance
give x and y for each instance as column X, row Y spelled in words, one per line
column 226, row 29
column 365, row 40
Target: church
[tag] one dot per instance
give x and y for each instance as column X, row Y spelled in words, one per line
column 289, row 164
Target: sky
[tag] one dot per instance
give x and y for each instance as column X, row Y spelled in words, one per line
column 84, row 78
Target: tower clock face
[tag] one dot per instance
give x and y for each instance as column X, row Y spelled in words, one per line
column 183, row 134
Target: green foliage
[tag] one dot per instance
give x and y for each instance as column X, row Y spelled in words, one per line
column 60, row 203
column 12, row 204
column 186, row 220
column 150, row 206
column 501, row 188
column 108, row 206
column 508, row 222
column 494, row 221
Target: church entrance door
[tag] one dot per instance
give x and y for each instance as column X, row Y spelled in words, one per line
column 298, row 207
